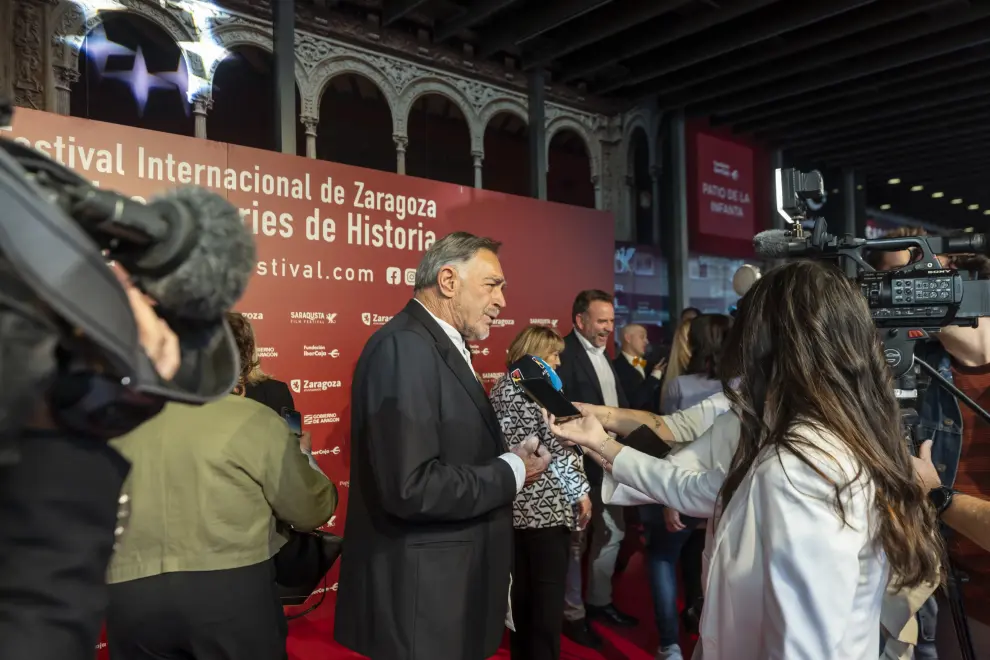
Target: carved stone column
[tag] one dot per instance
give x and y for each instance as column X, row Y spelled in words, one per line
column 310, row 124
column 479, row 158
column 596, row 181
column 401, row 142
column 64, row 77
column 30, row 52
column 202, row 104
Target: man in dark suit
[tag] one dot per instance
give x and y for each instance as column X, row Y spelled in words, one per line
column 589, row 377
column 425, row 569
column 640, row 384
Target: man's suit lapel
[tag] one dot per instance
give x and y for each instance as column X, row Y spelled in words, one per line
column 581, row 357
column 466, row 376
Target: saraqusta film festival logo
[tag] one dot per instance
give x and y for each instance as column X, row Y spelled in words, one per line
column 313, row 318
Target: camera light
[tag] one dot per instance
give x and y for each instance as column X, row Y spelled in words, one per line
column 957, row 200
column 936, row 195
column 973, row 207
column 917, row 188
column 884, row 207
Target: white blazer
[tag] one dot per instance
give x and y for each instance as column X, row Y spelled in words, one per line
column 785, row 579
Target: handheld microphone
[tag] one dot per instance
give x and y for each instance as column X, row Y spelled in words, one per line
column 542, row 385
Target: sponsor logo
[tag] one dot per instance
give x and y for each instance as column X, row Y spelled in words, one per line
column 501, row 323
column 319, row 350
column 552, row 323
column 478, row 350
column 724, row 169
column 410, row 276
column 330, row 523
column 300, row 385
column 393, row 275
column 321, row 590
column 311, row 318
column 321, row 418
column 374, row 319
column 101, row 646
column 344, row 484
column 253, row 316
column 267, row 352
column 323, row 452
column 492, row 376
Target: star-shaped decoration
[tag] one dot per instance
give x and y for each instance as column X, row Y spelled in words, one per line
column 100, row 49
column 141, row 81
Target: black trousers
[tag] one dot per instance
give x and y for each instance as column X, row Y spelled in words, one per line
column 691, row 559
column 232, row 614
column 58, row 511
column 538, row 579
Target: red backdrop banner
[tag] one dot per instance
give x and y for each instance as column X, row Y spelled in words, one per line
column 337, row 251
column 724, row 187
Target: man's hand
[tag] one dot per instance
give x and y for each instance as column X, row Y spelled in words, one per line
column 534, row 455
column 583, row 512
column 924, row 469
column 673, row 520
column 659, row 369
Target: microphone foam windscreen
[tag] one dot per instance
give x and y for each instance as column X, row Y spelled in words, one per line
column 530, row 367
column 216, row 273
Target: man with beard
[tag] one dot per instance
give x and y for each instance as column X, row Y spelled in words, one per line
column 588, row 376
column 425, row 569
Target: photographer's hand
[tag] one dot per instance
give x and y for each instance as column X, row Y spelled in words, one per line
column 157, row 339
column 924, row 470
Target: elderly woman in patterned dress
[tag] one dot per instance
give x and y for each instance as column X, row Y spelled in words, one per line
column 544, row 513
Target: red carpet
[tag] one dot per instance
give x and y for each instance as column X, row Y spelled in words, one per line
column 631, row 595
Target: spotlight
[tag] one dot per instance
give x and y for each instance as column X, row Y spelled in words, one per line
column 917, row 188
column 973, row 207
column 987, row 212
column 937, row 195
column 893, row 182
column 957, row 200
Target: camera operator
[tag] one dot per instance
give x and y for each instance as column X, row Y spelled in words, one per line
column 960, row 453
column 58, row 511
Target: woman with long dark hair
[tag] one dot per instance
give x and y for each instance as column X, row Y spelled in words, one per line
column 818, row 512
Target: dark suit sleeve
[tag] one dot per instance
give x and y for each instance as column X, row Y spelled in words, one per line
column 401, row 397
column 282, row 396
column 640, row 392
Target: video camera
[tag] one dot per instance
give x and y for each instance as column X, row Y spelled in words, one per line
column 67, row 331
column 908, row 304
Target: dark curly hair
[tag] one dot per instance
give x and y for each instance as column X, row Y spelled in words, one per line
column 244, row 336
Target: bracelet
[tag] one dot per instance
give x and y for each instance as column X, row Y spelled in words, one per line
column 601, row 450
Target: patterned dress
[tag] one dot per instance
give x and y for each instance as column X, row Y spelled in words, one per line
column 550, row 501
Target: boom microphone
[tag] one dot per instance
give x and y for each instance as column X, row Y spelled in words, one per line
column 777, row 244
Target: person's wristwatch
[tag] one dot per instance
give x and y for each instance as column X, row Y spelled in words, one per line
column 941, row 498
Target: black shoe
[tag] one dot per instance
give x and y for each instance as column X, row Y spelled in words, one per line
column 581, row 633
column 610, row 614
column 691, row 617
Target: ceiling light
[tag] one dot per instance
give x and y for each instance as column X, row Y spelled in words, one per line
column 884, row 207
column 859, row 187
column 973, row 207
column 917, row 188
column 987, row 212
column 968, row 230
column 893, row 182
column 936, row 195
column 957, row 200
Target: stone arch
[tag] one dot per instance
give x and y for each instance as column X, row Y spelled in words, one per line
column 563, row 123
column 71, row 25
column 637, row 119
column 326, row 70
column 245, row 34
column 429, row 85
column 498, row 106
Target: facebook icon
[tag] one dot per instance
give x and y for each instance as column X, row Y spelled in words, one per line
column 393, row 276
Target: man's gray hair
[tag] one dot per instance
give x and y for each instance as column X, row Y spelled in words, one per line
column 452, row 250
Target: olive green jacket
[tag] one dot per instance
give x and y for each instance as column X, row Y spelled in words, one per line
column 206, row 486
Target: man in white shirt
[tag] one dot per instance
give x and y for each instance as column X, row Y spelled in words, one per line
column 425, row 571
column 588, row 376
